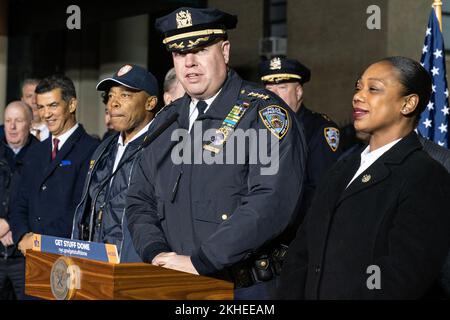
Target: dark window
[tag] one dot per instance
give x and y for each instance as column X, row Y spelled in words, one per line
column 275, row 18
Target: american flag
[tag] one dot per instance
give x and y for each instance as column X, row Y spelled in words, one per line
column 434, row 120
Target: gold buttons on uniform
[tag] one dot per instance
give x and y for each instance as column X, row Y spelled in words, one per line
column 263, row 264
column 224, row 217
column 366, row 178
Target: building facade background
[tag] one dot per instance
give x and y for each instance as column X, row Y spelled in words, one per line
column 329, row 36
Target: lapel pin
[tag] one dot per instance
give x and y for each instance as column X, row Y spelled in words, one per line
column 366, row 178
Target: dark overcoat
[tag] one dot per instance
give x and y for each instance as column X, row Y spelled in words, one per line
column 393, row 220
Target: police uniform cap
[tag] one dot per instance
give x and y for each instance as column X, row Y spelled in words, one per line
column 280, row 69
column 188, row 28
column 133, row 77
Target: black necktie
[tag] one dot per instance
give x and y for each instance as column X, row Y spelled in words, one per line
column 201, row 106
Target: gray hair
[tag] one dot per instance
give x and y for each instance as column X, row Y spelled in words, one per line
column 170, row 80
column 29, row 81
column 21, row 104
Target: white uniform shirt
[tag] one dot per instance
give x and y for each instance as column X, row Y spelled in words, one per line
column 193, row 112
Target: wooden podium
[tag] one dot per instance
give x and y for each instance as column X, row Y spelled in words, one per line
column 51, row 276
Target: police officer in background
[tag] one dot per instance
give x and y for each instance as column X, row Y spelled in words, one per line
column 221, row 220
column 286, row 78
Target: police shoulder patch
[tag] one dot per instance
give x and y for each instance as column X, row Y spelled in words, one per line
column 332, row 137
column 276, row 119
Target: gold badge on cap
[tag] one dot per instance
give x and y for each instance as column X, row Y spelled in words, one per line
column 184, row 19
column 366, row 178
column 275, row 64
column 124, row 70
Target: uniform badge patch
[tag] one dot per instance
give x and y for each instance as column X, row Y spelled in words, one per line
column 276, row 119
column 275, row 64
column 332, row 137
column 184, row 19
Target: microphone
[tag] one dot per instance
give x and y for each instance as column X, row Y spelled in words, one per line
column 150, row 138
column 147, row 141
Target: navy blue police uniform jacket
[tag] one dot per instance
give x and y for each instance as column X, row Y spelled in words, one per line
column 50, row 190
column 322, row 138
column 111, row 225
column 218, row 214
column 323, row 147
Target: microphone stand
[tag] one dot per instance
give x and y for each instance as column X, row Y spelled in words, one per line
column 147, row 141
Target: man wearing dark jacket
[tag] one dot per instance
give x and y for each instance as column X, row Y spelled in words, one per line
column 13, row 149
column 52, row 183
column 131, row 104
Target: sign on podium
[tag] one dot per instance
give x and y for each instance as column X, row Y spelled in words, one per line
column 65, row 269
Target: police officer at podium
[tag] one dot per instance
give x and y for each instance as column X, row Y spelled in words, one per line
column 217, row 212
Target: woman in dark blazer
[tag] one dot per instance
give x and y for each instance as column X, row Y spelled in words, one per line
column 379, row 225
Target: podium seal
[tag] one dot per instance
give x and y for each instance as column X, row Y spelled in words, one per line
column 64, row 279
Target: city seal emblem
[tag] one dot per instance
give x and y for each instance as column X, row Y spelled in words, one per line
column 275, row 64
column 63, row 280
column 184, row 19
